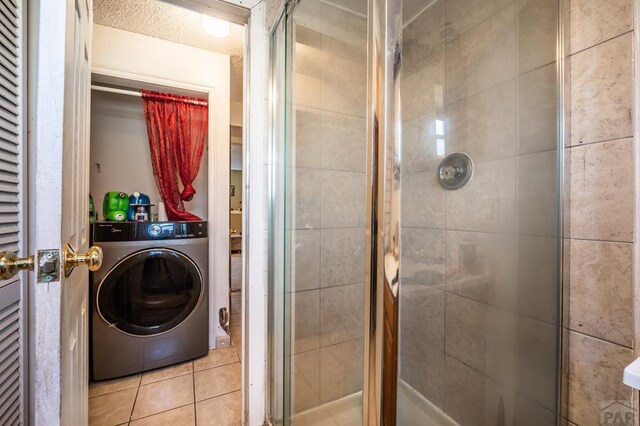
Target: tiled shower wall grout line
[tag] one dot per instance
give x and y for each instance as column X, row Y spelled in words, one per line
column 569, row 147
column 485, row 232
column 442, row 288
column 420, row 12
column 572, row 330
column 477, row 24
column 517, row 75
column 572, row 54
column 318, row 110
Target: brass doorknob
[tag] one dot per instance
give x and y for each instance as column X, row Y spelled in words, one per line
column 10, row 264
column 93, row 259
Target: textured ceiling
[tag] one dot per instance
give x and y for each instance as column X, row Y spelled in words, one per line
column 162, row 20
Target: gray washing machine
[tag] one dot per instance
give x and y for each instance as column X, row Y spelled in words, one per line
column 149, row 299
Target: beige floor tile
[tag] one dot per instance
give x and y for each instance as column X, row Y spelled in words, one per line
column 183, row 416
column 164, row 395
column 217, row 381
column 167, row 373
column 108, row 386
column 216, row 358
column 111, row 409
column 221, row 411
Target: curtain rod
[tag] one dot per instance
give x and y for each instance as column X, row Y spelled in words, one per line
column 114, row 90
column 138, row 94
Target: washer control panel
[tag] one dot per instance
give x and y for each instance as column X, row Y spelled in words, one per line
column 144, row 231
column 154, row 230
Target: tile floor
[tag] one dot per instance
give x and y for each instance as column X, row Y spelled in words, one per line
column 205, row 391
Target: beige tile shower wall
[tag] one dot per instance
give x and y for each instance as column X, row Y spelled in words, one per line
column 599, row 229
column 328, row 160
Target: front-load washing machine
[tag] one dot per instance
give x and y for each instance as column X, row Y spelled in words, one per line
column 150, row 298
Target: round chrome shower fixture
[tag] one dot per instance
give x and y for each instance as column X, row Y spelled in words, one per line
column 455, row 170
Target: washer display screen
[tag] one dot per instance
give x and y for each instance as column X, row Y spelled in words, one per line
column 150, row 292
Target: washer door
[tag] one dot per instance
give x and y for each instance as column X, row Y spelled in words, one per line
column 150, row 292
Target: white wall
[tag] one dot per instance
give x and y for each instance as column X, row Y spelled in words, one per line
column 152, row 62
column 120, row 146
column 237, row 112
column 124, row 51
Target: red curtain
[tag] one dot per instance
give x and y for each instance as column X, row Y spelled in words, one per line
column 177, row 128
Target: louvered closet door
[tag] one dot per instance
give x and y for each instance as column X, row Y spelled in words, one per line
column 13, row 339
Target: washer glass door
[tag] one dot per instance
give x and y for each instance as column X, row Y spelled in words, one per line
column 150, row 291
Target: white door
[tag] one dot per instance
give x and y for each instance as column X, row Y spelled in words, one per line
column 59, row 149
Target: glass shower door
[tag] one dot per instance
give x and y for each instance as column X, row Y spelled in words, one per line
column 318, row 212
column 461, row 97
column 479, row 295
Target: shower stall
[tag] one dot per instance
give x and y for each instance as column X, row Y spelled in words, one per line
column 415, row 211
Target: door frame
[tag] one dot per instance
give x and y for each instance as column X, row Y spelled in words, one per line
column 40, row 162
column 218, row 255
column 254, row 283
column 255, row 220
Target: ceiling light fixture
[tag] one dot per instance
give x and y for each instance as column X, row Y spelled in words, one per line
column 214, row 26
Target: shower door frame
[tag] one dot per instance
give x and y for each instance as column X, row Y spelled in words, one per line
column 383, row 170
column 275, row 411
column 382, row 272
column 383, row 204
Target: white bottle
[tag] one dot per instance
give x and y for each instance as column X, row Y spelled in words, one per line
column 162, row 213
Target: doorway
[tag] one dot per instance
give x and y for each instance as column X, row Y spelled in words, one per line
column 58, row 51
column 168, row 55
column 235, row 232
